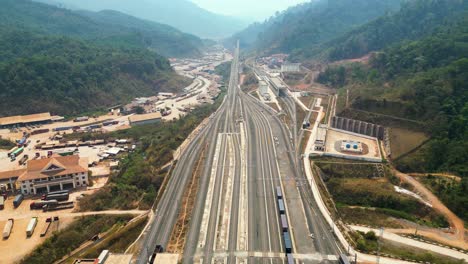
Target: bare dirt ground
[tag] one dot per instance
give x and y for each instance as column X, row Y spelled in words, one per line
column 457, row 236
column 19, row 245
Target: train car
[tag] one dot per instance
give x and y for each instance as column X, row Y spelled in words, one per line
column 284, row 223
column 287, row 242
column 279, row 193
column 290, row 259
column 281, row 206
column 344, row 259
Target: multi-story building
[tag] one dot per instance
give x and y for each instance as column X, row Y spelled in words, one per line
column 54, row 174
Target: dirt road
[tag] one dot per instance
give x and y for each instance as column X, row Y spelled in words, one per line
column 456, row 223
column 71, row 215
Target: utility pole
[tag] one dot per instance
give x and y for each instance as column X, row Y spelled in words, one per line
column 378, row 244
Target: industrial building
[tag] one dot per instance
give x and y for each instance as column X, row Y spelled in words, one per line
column 291, row 67
column 25, row 120
column 144, row 119
column 53, row 174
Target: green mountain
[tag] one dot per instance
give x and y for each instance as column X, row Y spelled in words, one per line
column 105, row 27
column 68, row 76
column 181, row 14
column 417, row 18
column 423, row 79
column 303, row 27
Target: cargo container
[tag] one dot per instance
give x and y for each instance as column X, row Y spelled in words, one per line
column 62, row 128
column 279, row 193
column 59, row 197
column 18, row 200
column 281, row 206
column 41, row 204
column 287, row 242
column 290, row 258
column 81, row 119
column 2, row 202
column 31, row 226
column 284, row 223
column 95, row 126
column 7, row 229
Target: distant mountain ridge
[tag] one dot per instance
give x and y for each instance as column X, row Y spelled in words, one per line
column 308, row 25
column 107, row 27
column 181, row 14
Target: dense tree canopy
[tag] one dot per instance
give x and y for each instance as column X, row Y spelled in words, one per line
column 69, row 76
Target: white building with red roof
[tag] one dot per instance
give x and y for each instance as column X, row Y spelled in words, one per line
column 54, row 174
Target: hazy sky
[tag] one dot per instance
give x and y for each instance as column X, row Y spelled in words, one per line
column 255, row 9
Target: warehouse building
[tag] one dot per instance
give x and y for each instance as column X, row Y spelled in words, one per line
column 25, row 120
column 291, row 67
column 145, row 119
column 54, row 174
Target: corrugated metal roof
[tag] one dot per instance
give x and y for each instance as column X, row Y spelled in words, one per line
column 11, row 120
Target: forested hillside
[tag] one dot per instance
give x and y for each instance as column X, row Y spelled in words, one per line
column 106, row 27
column 301, row 29
column 417, row 18
column 69, row 76
column 181, row 14
column 425, row 80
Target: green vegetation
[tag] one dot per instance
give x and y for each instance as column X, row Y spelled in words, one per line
column 302, row 29
column 141, row 174
column 415, row 19
column 69, row 76
column 423, row 80
column 63, row 242
column 6, row 144
column 358, row 187
column 452, row 193
column 107, row 27
column 118, row 241
column 369, row 243
column 403, row 141
column 224, row 70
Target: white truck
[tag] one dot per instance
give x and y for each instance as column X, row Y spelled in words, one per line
column 7, row 229
column 31, row 226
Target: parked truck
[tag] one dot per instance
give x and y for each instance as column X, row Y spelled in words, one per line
column 8, row 227
column 2, row 202
column 59, row 197
column 23, row 160
column 58, row 206
column 40, row 204
column 18, row 200
column 31, row 226
column 16, row 153
column 46, row 227
column 44, row 196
